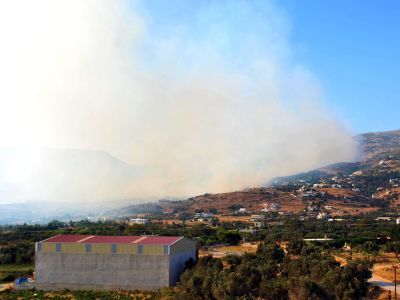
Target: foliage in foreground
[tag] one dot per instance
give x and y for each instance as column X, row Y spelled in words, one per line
column 305, row 273
column 270, row 274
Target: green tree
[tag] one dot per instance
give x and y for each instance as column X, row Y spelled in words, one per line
column 393, row 247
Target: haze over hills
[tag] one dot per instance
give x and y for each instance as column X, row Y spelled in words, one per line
column 378, row 169
column 374, row 147
column 29, row 179
column 93, row 169
column 42, row 174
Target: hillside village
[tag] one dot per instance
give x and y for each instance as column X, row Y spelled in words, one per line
column 334, row 192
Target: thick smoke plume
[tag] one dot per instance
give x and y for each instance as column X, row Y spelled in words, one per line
column 208, row 103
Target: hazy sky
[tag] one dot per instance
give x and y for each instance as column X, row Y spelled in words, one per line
column 201, row 96
column 352, row 47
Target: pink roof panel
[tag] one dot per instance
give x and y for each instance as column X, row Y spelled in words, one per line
column 66, row 238
column 102, row 239
column 159, row 240
column 112, row 239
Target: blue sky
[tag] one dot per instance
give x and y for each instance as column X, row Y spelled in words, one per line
column 351, row 47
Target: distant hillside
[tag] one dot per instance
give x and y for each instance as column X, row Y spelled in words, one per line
column 380, row 153
column 379, row 166
column 251, row 199
column 151, row 207
column 375, row 143
column 62, row 175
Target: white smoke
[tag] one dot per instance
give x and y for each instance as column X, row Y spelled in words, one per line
column 213, row 104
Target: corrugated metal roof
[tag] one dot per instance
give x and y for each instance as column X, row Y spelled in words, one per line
column 66, row 238
column 160, row 240
column 102, row 239
column 112, row 239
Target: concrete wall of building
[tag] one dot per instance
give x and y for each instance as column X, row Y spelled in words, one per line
column 183, row 245
column 177, row 264
column 180, row 253
column 102, row 271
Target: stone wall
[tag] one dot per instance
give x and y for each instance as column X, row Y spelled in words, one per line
column 177, row 264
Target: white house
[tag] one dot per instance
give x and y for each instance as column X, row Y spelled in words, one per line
column 256, row 218
column 384, row 219
column 138, row 221
column 203, row 215
column 322, row 216
column 336, row 186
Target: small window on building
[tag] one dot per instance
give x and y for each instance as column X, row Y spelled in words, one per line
column 166, row 249
column 38, row 247
column 114, row 248
column 58, row 247
column 140, row 249
column 88, row 248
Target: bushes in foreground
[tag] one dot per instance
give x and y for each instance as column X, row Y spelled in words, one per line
column 270, row 274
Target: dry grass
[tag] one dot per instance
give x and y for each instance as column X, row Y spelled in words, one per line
column 244, row 248
column 383, row 264
column 342, row 261
column 386, row 271
column 292, row 205
column 337, row 192
column 347, row 209
column 229, row 219
column 221, row 251
column 168, row 221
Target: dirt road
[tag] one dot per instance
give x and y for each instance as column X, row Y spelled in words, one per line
column 384, row 283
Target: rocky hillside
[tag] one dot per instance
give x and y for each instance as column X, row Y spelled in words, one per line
column 380, row 156
column 368, row 185
column 376, row 143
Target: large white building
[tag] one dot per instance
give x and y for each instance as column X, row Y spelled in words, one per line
column 111, row 262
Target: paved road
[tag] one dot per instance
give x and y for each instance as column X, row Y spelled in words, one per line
column 384, row 283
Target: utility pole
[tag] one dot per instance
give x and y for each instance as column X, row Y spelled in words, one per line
column 395, row 283
column 351, row 252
